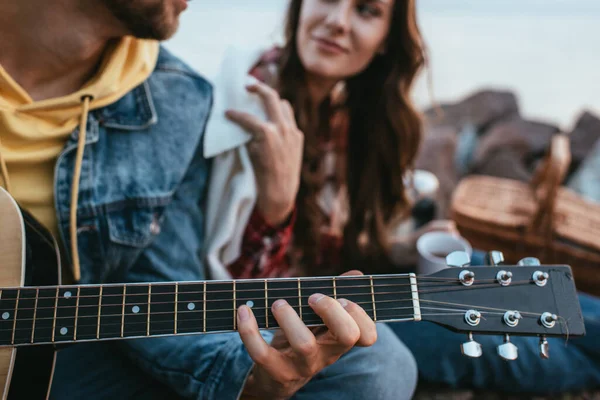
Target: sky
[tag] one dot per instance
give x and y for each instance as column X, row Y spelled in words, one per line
column 546, row 51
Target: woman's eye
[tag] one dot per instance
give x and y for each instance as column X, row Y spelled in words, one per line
column 368, row 10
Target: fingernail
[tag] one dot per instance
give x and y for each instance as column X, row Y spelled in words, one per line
column 279, row 304
column 251, row 80
column 243, row 313
column 315, row 298
column 343, row 302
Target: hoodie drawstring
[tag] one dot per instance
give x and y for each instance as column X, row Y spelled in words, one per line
column 4, row 171
column 75, row 185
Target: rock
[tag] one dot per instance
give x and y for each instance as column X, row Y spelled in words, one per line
column 583, row 137
column 436, row 155
column 525, row 138
column 479, row 109
column 504, row 163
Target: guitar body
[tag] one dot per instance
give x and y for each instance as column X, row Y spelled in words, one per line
column 25, row 373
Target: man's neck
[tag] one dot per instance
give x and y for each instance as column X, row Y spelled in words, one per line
column 52, row 48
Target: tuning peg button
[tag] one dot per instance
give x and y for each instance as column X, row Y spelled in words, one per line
column 508, row 350
column 544, row 348
column 458, row 259
column 471, row 348
column 494, row 258
column 529, row 262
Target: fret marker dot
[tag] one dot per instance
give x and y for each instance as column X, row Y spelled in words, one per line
column 250, row 303
column 63, row 331
column 191, row 306
column 135, row 309
column 67, row 294
column 5, row 315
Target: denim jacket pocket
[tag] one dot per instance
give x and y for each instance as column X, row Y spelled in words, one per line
column 136, row 225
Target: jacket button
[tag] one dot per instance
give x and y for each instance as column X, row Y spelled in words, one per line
column 154, row 227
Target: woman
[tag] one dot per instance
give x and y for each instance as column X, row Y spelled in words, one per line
column 341, row 86
column 338, row 135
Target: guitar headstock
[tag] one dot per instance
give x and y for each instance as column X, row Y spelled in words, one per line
column 536, row 300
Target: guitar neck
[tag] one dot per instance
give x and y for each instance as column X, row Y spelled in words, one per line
column 58, row 314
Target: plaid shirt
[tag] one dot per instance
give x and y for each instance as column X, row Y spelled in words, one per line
column 265, row 248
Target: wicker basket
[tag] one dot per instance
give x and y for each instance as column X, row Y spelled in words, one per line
column 540, row 219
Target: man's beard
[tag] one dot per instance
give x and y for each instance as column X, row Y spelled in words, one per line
column 144, row 19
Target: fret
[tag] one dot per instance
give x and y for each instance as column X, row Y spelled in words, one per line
column 234, row 308
column 37, row 291
column 373, row 299
column 175, row 313
column 309, row 287
column 148, row 311
column 12, row 340
column 76, row 312
column 163, row 317
column 358, row 290
column 393, row 298
column 266, row 305
column 219, row 305
column 99, row 312
column 24, row 318
column 204, row 307
column 54, row 313
column 88, row 312
column 136, row 317
column 44, row 315
column 190, row 308
column 282, row 289
column 300, row 298
column 123, row 310
column 334, row 289
column 64, row 326
column 252, row 293
column 110, row 313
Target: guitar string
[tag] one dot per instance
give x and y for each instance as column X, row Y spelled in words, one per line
column 269, row 290
column 144, row 297
column 307, row 321
column 231, row 310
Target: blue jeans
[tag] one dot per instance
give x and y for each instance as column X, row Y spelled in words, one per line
column 100, row 370
column 574, row 365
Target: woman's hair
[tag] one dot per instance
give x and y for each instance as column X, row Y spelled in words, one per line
column 383, row 139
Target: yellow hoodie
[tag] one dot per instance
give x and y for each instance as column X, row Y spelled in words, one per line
column 33, row 133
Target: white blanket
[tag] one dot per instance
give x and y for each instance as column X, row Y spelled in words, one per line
column 232, row 187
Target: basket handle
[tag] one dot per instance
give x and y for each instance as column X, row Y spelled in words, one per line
column 547, row 180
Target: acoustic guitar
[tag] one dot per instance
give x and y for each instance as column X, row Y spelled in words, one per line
column 38, row 316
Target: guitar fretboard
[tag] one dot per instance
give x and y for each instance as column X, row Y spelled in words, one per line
column 96, row 312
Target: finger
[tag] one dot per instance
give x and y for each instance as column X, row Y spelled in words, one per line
column 249, row 122
column 271, row 100
column 299, row 336
column 341, row 325
column 353, row 272
column 288, row 113
column 366, row 326
column 262, row 354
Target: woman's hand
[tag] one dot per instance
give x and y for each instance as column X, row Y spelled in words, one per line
column 296, row 353
column 276, row 153
column 403, row 249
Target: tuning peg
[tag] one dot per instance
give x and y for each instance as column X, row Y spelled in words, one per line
column 529, row 262
column 458, row 259
column 508, row 350
column 471, row 348
column 494, row 258
column 544, row 348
